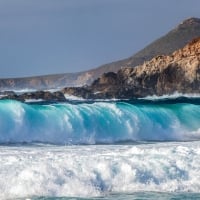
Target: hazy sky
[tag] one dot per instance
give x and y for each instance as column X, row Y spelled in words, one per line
column 56, row 36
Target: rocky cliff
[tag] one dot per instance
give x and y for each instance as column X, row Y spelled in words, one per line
column 175, row 39
column 164, row 74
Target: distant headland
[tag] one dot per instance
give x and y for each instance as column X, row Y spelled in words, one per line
column 169, row 64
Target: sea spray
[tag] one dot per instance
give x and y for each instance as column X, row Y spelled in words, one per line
column 98, row 122
column 98, row 170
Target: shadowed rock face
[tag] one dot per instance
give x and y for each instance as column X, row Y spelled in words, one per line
column 38, row 95
column 178, row 72
column 175, row 39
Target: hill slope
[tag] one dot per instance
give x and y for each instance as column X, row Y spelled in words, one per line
column 175, row 39
column 162, row 75
column 167, row 44
column 178, row 72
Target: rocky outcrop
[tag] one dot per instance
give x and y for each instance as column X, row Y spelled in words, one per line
column 164, row 74
column 175, row 39
column 178, row 72
column 38, row 95
column 167, row 74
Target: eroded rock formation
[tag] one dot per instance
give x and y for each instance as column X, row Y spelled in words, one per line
column 178, row 72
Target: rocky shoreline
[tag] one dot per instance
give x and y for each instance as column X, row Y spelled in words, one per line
column 178, row 72
column 37, row 95
column 175, row 39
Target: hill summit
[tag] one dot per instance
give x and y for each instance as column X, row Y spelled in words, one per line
column 164, row 74
column 173, row 40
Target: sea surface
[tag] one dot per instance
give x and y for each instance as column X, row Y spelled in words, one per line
column 104, row 150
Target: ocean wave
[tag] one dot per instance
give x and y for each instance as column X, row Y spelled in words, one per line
column 175, row 95
column 88, row 171
column 97, row 122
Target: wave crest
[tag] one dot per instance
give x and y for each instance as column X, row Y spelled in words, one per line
column 100, row 122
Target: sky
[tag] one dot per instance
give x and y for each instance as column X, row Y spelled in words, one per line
column 40, row 37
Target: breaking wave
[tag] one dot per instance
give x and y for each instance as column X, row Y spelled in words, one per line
column 99, row 170
column 98, row 122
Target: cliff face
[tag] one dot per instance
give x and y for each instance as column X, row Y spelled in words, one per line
column 167, row 74
column 175, row 39
column 178, row 72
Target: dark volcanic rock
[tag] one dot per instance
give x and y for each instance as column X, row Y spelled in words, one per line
column 83, row 92
column 44, row 95
column 38, row 95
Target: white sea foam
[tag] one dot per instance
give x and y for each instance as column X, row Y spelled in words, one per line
column 25, row 90
column 72, row 97
column 21, row 91
column 100, row 122
column 172, row 96
column 98, row 170
column 53, row 89
column 33, row 100
column 2, row 95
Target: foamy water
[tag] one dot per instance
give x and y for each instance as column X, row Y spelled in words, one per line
column 88, row 171
column 144, row 166
column 100, row 122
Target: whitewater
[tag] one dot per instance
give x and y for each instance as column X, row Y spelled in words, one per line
column 142, row 149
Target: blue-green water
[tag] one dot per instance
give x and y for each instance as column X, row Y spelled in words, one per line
column 100, row 150
column 135, row 196
column 98, row 122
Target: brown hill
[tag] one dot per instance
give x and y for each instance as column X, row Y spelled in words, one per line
column 164, row 74
column 165, row 45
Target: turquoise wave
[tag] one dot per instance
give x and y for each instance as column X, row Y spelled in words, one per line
column 98, row 122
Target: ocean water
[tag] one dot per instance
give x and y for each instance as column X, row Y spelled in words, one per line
column 142, row 149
